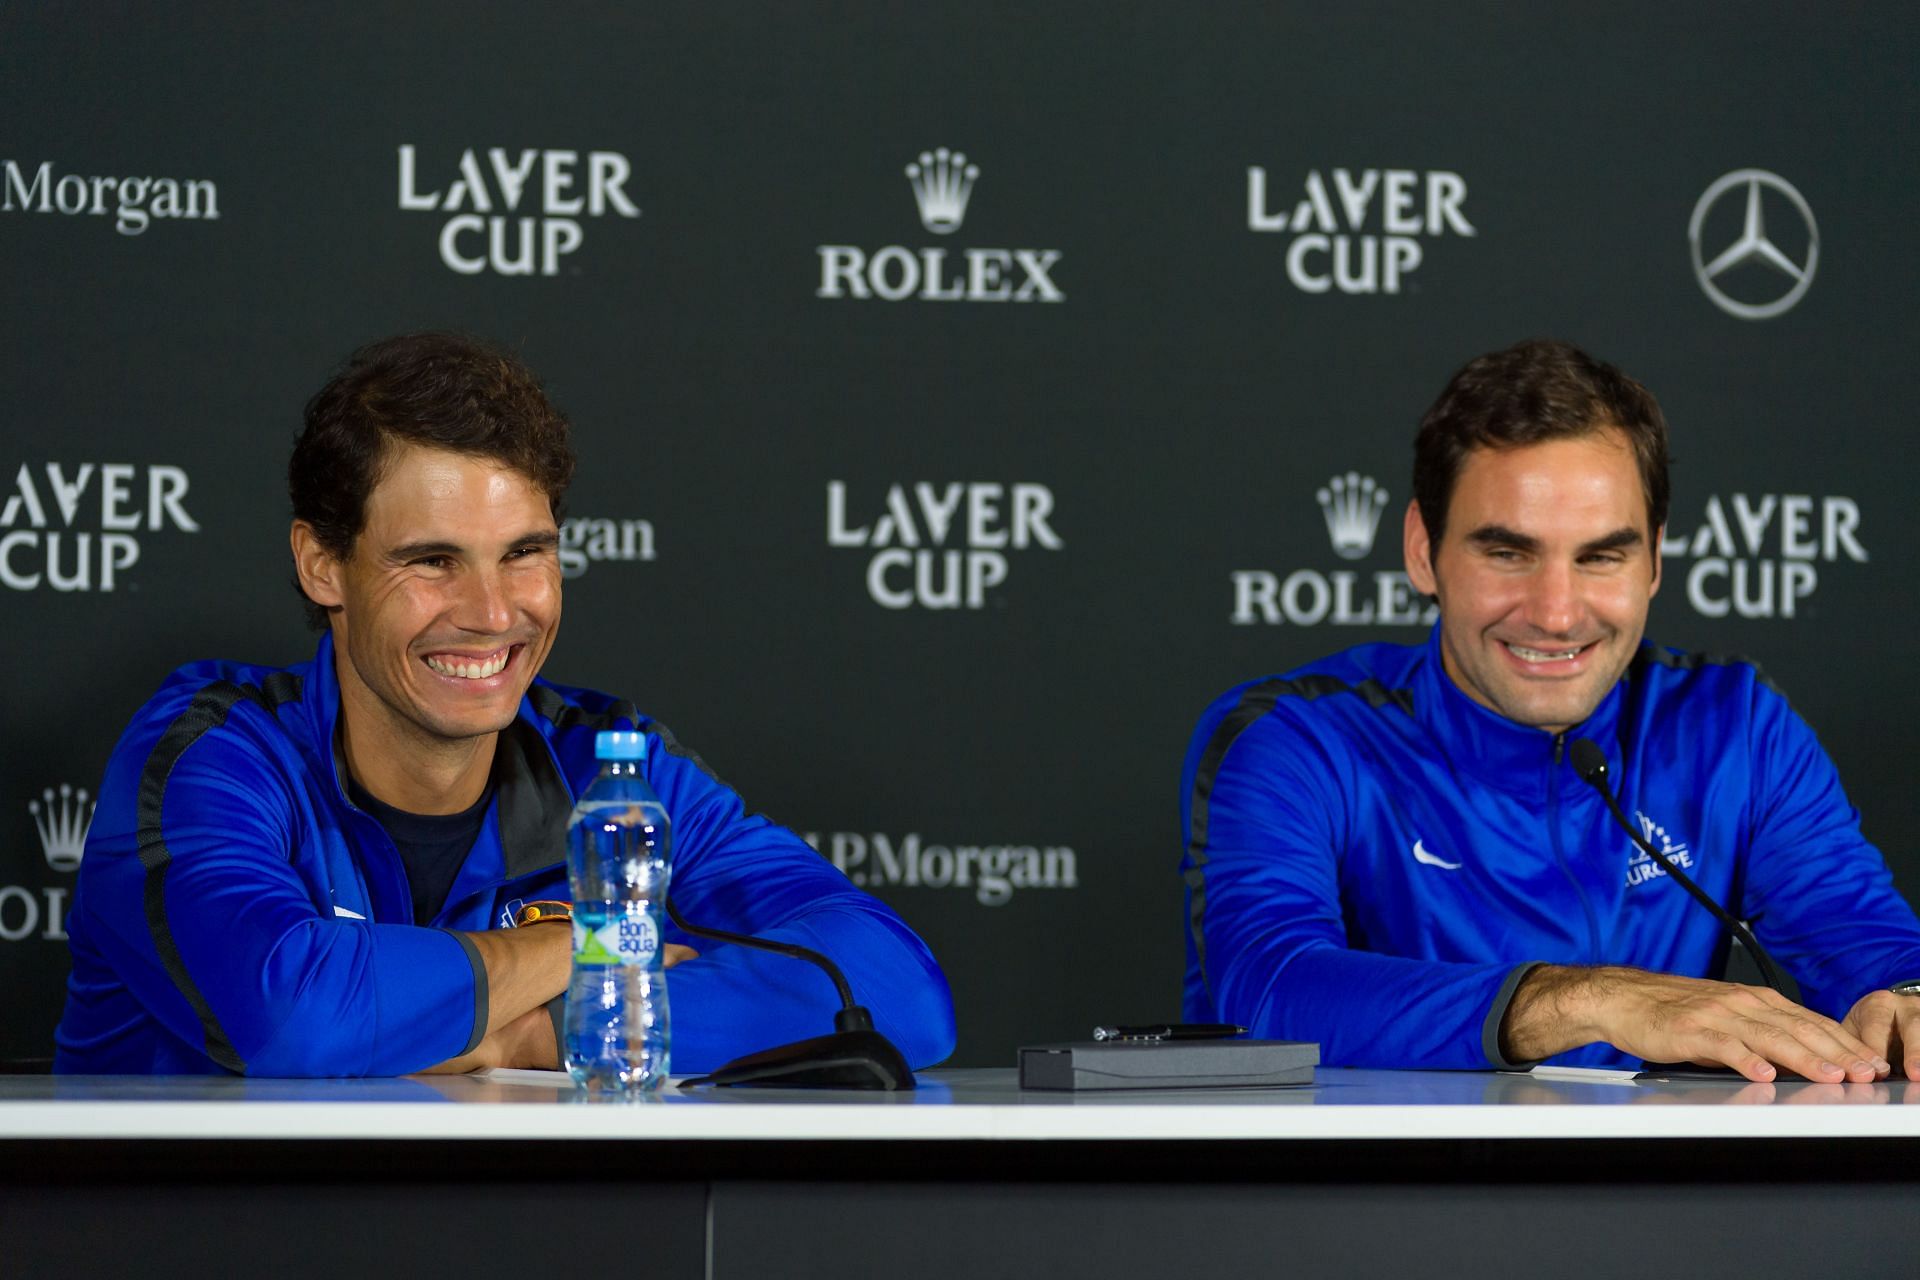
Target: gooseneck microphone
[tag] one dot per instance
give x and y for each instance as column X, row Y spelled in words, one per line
column 1590, row 762
column 855, row 1056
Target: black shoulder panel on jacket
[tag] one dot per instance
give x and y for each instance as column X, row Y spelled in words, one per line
column 1654, row 654
column 208, row 710
column 564, row 715
column 1254, row 703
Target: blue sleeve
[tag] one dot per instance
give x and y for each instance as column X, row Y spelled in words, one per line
column 191, row 894
column 743, row 874
column 1820, row 897
column 1265, row 827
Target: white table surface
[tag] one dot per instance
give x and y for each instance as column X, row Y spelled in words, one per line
column 949, row 1105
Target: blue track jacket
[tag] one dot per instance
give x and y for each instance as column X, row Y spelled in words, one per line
column 234, row 911
column 1373, row 860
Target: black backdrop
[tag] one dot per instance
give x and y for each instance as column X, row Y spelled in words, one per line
column 1187, row 371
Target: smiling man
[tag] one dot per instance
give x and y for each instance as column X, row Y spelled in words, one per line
column 326, row 870
column 1390, row 851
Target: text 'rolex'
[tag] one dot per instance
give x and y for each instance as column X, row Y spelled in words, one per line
column 1351, row 505
column 942, row 182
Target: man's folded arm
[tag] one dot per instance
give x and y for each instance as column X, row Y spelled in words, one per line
column 206, row 921
column 744, row 874
column 735, row 1000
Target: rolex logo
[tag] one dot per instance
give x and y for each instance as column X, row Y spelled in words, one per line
column 62, row 822
column 1308, row 597
column 942, row 182
column 1352, row 505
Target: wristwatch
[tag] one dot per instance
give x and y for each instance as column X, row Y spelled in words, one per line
column 1908, row 987
column 541, row 912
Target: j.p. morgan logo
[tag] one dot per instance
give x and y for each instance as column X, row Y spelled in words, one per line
column 1364, row 235
column 992, row 872
column 134, row 202
column 587, row 540
column 943, row 546
column 1759, row 556
column 942, row 182
column 1351, row 506
column 79, row 528
column 1751, row 264
column 519, row 214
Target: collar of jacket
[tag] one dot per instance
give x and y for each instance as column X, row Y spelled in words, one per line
column 1485, row 745
column 534, row 798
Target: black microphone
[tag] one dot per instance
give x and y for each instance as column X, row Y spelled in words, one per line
column 855, row 1056
column 1590, row 762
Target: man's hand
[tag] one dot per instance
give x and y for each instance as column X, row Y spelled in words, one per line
column 527, row 1041
column 1889, row 1024
column 1663, row 1018
column 525, row 968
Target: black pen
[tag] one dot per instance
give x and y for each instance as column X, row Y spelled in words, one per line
column 1171, row 1031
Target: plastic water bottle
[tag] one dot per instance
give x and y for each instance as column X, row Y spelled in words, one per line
column 618, row 851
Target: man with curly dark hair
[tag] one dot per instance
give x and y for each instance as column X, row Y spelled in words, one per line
column 324, row 870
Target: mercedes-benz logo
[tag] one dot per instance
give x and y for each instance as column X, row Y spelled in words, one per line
column 1753, row 245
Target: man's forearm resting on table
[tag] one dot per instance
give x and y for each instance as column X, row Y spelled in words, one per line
column 521, row 970
column 530, row 1038
column 1664, row 1018
column 526, row 1041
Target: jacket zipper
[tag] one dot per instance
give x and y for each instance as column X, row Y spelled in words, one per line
column 1559, row 853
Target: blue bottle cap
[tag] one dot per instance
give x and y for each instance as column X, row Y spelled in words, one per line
column 613, row 745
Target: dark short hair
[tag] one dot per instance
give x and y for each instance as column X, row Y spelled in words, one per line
column 442, row 390
column 1530, row 393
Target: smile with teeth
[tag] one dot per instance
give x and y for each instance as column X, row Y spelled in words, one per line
column 465, row 667
column 1543, row 655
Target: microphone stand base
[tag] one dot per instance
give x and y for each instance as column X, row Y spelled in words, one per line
column 844, row 1060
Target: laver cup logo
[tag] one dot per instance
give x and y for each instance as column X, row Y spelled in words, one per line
column 1759, row 556
column 1362, row 232
column 1641, row 867
column 134, row 203
column 1351, row 507
column 941, row 546
column 942, row 182
column 79, row 528
column 518, row 213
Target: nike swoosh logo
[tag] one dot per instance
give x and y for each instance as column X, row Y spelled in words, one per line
column 351, row 915
column 1421, row 856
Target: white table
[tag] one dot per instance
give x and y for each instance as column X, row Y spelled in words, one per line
column 1362, row 1173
